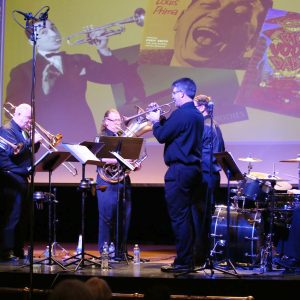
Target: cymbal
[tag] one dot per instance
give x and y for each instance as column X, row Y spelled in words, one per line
column 282, row 186
column 265, row 177
column 291, row 160
column 249, row 159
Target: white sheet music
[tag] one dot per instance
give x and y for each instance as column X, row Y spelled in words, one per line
column 82, row 154
column 122, row 160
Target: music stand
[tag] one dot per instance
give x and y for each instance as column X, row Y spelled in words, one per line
column 82, row 154
column 232, row 171
column 48, row 163
column 121, row 148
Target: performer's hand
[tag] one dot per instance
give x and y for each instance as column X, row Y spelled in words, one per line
column 99, row 39
column 154, row 112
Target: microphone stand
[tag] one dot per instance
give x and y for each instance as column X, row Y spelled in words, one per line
column 30, row 27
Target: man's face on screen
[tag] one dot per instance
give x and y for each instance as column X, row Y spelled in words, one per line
column 215, row 30
column 49, row 38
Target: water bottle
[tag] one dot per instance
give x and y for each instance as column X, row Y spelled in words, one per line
column 136, row 254
column 46, row 253
column 105, row 257
column 79, row 246
column 111, row 251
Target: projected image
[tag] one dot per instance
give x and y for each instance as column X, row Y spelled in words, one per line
column 61, row 81
column 208, row 33
column 272, row 81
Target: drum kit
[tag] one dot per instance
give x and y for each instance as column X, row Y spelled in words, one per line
column 260, row 216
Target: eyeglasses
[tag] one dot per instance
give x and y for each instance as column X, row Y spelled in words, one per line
column 114, row 120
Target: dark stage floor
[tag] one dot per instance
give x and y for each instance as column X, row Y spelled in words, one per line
column 126, row 277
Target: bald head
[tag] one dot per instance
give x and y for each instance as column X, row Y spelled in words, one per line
column 22, row 115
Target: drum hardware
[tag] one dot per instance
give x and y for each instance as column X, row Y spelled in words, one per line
column 250, row 160
column 294, row 160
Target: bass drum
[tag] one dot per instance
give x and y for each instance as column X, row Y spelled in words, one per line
column 244, row 235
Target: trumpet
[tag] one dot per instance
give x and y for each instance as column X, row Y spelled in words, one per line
column 16, row 147
column 109, row 29
column 49, row 140
column 144, row 112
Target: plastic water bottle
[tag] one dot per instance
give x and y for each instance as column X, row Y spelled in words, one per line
column 105, row 257
column 111, row 250
column 136, row 254
column 46, row 253
column 79, row 246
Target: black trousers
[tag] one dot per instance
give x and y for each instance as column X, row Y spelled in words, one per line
column 14, row 211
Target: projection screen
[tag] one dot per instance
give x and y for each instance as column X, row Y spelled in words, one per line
column 247, row 61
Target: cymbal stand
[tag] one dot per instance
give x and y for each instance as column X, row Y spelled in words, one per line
column 80, row 258
column 266, row 252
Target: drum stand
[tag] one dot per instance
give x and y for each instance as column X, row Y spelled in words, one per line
column 232, row 172
column 266, row 259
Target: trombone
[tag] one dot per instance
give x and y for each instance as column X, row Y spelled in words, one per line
column 16, row 147
column 109, row 29
column 144, row 112
column 49, row 140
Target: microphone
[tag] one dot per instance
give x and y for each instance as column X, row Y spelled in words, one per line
column 27, row 16
column 210, row 106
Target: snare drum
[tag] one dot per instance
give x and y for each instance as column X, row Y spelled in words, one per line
column 244, row 234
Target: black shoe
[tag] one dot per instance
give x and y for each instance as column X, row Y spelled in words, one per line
column 19, row 253
column 287, row 262
column 173, row 268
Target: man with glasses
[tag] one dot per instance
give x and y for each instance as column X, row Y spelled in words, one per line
column 182, row 135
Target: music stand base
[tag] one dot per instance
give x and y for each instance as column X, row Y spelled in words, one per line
column 80, row 260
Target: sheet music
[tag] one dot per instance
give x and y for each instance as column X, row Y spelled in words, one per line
column 124, row 161
column 82, row 153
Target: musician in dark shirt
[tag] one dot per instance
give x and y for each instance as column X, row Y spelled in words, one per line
column 212, row 142
column 182, row 135
column 15, row 159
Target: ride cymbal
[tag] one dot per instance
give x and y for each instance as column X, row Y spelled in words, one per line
column 293, row 160
column 249, row 159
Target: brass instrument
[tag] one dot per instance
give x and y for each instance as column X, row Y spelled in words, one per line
column 17, row 147
column 109, row 29
column 49, row 140
column 145, row 112
column 113, row 173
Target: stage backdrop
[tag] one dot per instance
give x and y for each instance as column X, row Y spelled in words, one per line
column 249, row 66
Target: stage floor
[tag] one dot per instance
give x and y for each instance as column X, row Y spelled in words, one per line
column 126, row 277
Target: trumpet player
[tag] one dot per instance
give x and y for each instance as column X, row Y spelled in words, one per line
column 14, row 204
column 182, row 135
column 62, row 80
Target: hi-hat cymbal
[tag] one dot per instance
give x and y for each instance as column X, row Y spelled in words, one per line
column 296, row 160
column 249, row 159
column 265, row 177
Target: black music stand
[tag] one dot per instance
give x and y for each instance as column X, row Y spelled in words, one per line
column 83, row 154
column 121, row 148
column 48, row 163
column 232, row 171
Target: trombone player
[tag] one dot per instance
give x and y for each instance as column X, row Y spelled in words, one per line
column 14, row 164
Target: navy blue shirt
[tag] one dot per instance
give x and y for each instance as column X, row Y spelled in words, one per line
column 217, row 145
column 16, row 163
column 182, row 135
